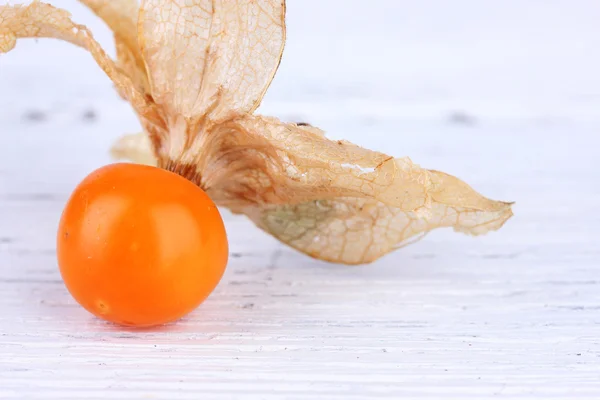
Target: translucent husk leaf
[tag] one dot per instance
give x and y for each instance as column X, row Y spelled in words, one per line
column 121, row 16
column 209, row 65
column 357, row 230
column 40, row 20
column 199, row 52
column 132, row 64
column 351, row 205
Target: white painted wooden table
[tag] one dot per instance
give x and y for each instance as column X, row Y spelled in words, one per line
column 515, row 314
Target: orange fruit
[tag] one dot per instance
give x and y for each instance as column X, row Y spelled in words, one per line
column 139, row 245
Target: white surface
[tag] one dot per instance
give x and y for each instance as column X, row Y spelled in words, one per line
column 515, row 314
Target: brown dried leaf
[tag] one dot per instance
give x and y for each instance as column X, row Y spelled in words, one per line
column 316, row 168
column 357, row 231
column 40, row 20
column 333, row 200
column 202, row 51
column 37, row 20
column 121, row 17
column 132, row 64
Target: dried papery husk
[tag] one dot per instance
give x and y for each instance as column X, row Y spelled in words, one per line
column 196, row 70
column 330, row 199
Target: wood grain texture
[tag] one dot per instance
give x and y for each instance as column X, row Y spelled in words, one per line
column 511, row 315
